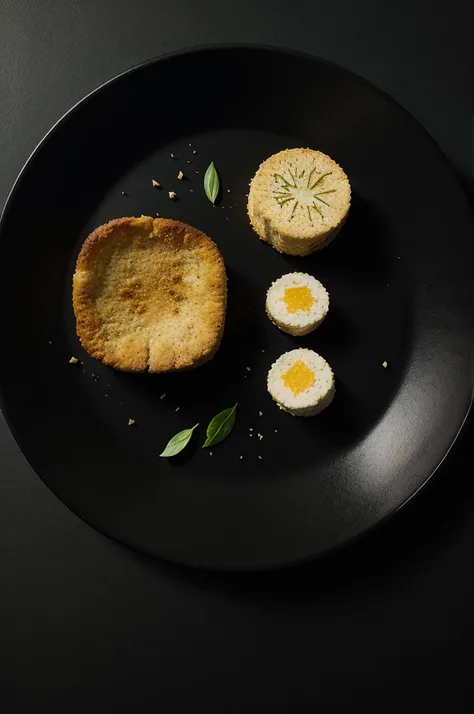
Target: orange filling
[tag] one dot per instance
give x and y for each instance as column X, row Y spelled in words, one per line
column 299, row 378
column 298, row 299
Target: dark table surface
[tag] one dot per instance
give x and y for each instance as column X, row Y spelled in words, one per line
column 85, row 622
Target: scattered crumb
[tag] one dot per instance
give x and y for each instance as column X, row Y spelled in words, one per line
column 180, row 175
column 172, row 156
column 250, row 434
column 197, row 172
column 171, row 194
column 263, row 351
column 189, row 144
column 188, row 161
column 157, row 214
column 250, row 428
column 210, row 453
column 228, row 190
column 49, row 342
column 260, row 414
column 124, row 193
column 260, row 436
column 276, row 431
column 177, row 409
column 163, row 396
column 157, row 184
column 241, row 457
column 131, row 422
column 194, row 152
column 227, row 218
column 385, row 364
column 248, row 369
column 73, row 360
column 191, row 190
column 260, row 458
column 106, row 395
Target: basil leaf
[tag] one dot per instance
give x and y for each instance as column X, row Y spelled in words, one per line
column 211, row 182
column 178, row 442
column 220, row 426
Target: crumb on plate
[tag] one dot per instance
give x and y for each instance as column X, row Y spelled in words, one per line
column 180, row 175
column 131, row 422
column 73, row 360
column 171, row 194
column 157, row 184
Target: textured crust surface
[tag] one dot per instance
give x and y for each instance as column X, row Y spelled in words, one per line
column 298, row 200
column 149, row 294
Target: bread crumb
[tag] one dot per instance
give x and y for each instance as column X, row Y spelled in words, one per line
column 260, row 458
column 260, row 414
column 228, row 190
column 171, row 194
column 189, row 144
column 163, row 396
column 250, row 428
column 263, row 351
column 276, row 431
column 124, row 193
column 131, row 422
column 157, row 184
column 241, row 457
column 248, row 369
column 260, row 436
column 177, row 409
column 180, row 175
column 73, row 360
column 188, row 161
column 194, row 152
column 385, row 365
column 172, row 156
column 157, row 214
column 210, row 453
column 191, row 190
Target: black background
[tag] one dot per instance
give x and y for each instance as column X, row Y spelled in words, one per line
column 85, row 622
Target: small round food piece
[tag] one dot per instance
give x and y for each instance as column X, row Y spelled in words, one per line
column 149, row 294
column 301, row 382
column 297, row 303
column 298, row 200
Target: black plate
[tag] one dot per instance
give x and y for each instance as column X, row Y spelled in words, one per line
column 398, row 277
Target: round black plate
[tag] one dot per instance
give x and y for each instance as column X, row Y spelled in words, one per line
column 398, row 276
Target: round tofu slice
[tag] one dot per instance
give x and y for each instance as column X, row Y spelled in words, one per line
column 298, row 200
column 149, row 294
column 301, row 382
column 297, row 303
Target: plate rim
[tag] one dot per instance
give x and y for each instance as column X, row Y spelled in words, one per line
column 215, row 47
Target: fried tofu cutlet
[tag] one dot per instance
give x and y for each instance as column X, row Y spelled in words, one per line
column 149, row 294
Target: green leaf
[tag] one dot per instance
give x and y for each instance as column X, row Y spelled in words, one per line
column 220, row 426
column 178, row 442
column 211, row 182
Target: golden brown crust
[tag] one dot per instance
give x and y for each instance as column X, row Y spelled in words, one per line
column 149, row 294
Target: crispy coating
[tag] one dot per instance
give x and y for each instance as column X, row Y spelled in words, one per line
column 149, row 294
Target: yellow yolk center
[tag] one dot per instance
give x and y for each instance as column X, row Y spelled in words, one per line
column 298, row 299
column 299, row 378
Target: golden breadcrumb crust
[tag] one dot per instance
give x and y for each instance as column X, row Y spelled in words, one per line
column 149, row 294
column 298, row 200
